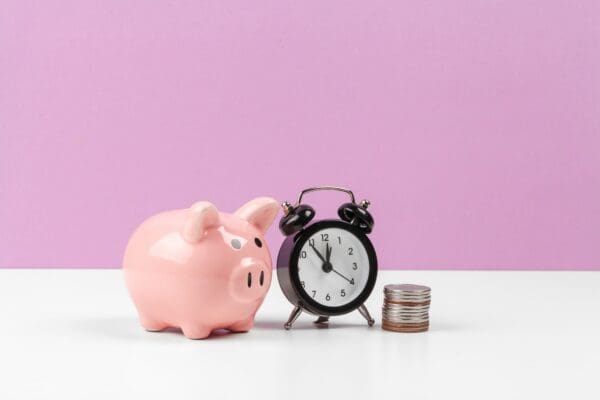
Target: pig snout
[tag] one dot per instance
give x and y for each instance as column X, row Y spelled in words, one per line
column 250, row 281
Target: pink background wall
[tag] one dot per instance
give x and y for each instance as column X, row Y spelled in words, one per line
column 473, row 126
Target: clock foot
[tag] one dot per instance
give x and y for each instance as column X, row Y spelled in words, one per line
column 365, row 313
column 322, row 320
column 293, row 317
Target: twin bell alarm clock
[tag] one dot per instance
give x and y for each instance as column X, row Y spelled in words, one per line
column 327, row 267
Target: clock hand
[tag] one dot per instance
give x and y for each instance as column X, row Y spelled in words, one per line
column 319, row 254
column 328, row 252
column 351, row 281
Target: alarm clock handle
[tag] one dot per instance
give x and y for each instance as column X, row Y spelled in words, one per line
column 318, row 188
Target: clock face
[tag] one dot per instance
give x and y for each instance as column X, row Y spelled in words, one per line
column 333, row 267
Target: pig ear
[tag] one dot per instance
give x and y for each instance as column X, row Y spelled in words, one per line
column 201, row 216
column 260, row 212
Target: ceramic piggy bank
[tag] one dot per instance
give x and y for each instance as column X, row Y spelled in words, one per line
column 199, row 269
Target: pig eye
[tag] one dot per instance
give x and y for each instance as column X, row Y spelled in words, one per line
column 236, row 244
column 258, row 242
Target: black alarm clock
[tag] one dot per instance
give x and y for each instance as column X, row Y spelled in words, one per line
column 327, row 267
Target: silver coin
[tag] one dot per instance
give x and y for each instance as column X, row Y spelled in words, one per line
column 419, row 301
column 403, row 312
column 393, row 306
column 394, row 294
column 409, row 308
column 386, row 315
column 415, row 294
column 405, row 307
column 404, row 316
column 406, row 287
column 406, row 321
column 400, row 322
column 407, row 295
column 408, row 303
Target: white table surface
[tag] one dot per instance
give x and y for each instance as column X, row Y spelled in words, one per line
column 494, row 335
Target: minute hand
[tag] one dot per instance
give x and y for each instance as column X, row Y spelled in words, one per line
column 351, row 281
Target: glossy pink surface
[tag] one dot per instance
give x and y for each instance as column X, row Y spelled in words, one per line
column 199, row 269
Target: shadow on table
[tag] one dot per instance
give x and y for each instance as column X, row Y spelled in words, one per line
column 114, row 327
column 128, row 328
column 277, row 324
column 439, row 326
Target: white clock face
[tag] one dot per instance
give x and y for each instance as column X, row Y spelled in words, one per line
column 333, row 267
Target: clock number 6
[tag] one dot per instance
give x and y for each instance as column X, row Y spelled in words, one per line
column 328, row 297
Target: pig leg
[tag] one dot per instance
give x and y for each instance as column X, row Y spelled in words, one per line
column 151, row 325
column 242, row 326
column 195, row 331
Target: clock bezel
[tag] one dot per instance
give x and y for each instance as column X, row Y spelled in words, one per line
column 287, row 269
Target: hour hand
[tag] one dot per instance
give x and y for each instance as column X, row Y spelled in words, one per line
column 327, row 252
column 319, row 254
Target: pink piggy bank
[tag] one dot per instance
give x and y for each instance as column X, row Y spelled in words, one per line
column 199, row 269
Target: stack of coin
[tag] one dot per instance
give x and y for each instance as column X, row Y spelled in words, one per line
column 406, row 308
